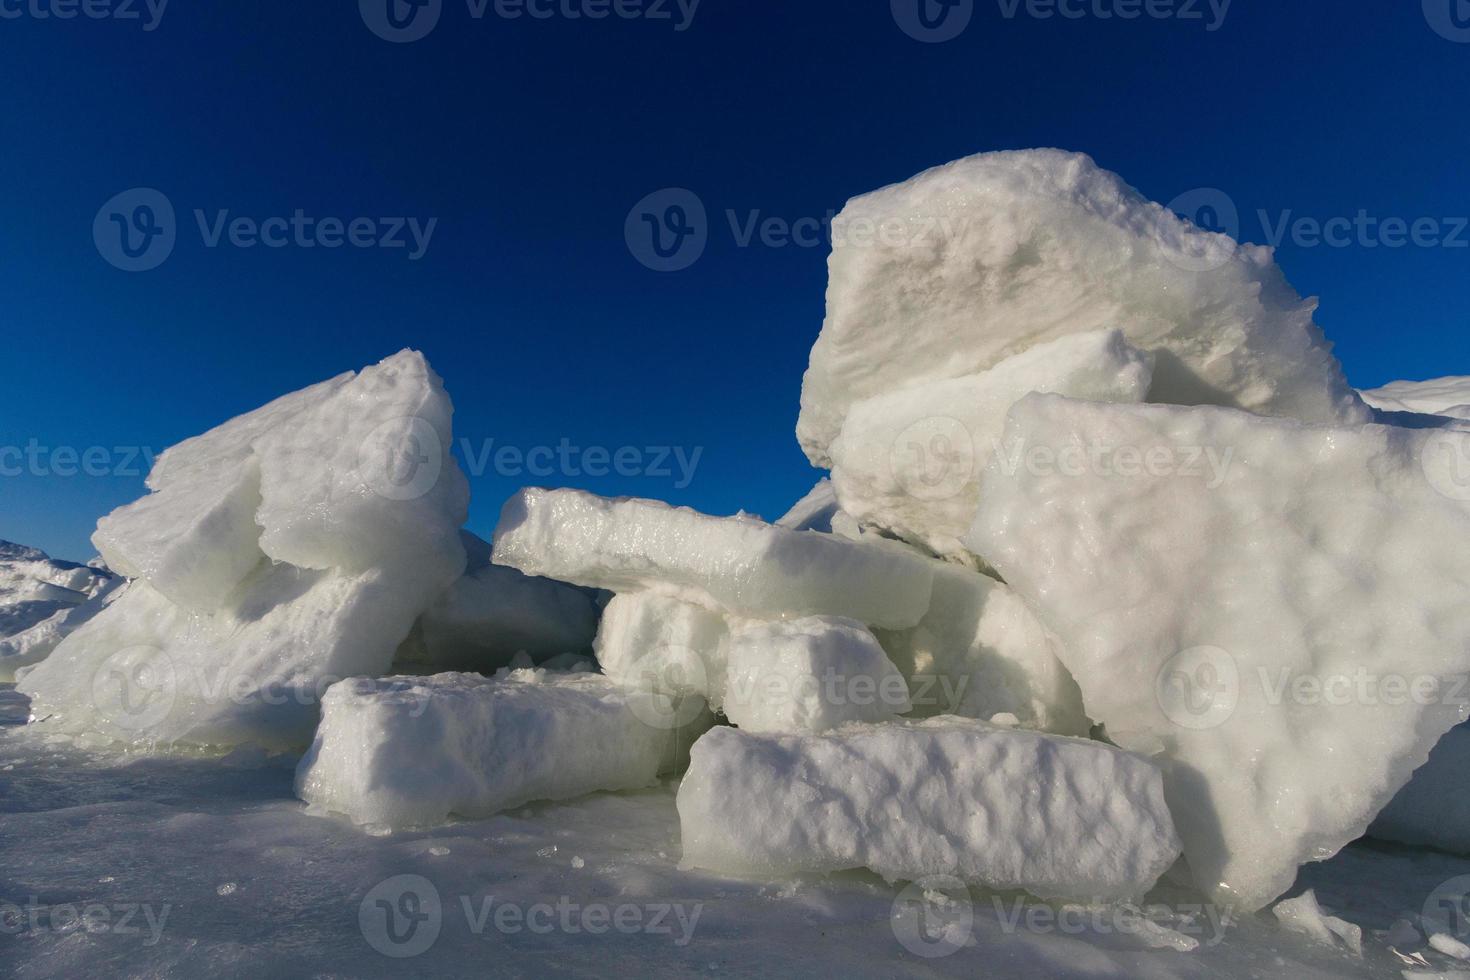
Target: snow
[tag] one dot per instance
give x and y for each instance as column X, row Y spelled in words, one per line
column 1276, row 608
column 41, row 599
column 909, row 461
column 1439, row 396
column 353, row 545
column 1303, row 915
column 815, row 511
column 410, row 751
column 1433, row 809
column 964, row 265
column 1056, row 817
column 31, row 646
column 652, row 642
column 739, row 564
column 810, row 675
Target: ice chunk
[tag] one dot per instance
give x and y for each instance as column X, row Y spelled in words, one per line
column 810, row 675
column 815, row 511
column 410, row 751
column 1440, row 396
column 740, row 564
column 347, row 559
column 1278, row 607
column 31, row 646
column 654, row 642
column 1057, row 817
column 1433, row 808
column 909, row 461
column 35, row 588
column 1302, row 914
column 979, row 652
column 967, row 264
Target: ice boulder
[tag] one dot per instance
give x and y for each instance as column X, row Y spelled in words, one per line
column 1441, row 396
column 336, row 509
column 951, row 272
column 980, row 652
column 1277, row 609
column 411, row 751
column 739, row 564
column 652, row 642
column 1433, row 808
column 810, row 675
column 1057, row 817
column 909, row 461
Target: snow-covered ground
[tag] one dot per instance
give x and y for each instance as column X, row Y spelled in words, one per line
column 197, row 867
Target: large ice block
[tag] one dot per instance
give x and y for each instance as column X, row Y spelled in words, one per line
column 1057, row 817
column 652, row 642
column 1278, row 609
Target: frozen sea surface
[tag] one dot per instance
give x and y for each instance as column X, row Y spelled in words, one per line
column 211, row 868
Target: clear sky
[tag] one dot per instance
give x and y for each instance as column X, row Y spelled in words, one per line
column 529, row 138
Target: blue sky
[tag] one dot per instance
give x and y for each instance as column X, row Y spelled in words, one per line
column 528, row 139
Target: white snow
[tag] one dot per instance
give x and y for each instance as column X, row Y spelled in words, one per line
column 810, row 675
column 410, row 751
column 966, row 264
column 1433, row 808
column 355, row 540
column 1056, row 817
column 1277, row 608
column 41, row 600
column 739, row 564
column 652, row 642
column 815, row 511
column 31, row 646
column 1439, row 396
column 909, row 461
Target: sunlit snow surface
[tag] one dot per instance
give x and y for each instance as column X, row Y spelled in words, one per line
column 234, row 877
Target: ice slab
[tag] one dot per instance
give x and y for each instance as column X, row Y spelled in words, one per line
column 739, row 564
column 909, row 461
column 652, row 642
column 1276, row 608
column 815, row 511
column 967, row 264
column 31, row 646
column 980, row 652
column 411, row 751
column 1439, row 396
column 1057, row 817
column 1433, row 808
column 810, row 675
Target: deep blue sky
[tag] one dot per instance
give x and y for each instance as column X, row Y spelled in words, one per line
column 529, row 140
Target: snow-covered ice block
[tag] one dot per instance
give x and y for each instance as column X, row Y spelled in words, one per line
column 740, row 564
column 1057, row 817
column 909, row 461
column 1439, row 396
column 815, row 511
column 1277, row 608
column 980, row 652
column 810, row 675
column 354, row 541
column 967, row 264
column 35, row 588
column 652, row 642
column 411, row 751
column 1433, row 808
column 31, row 646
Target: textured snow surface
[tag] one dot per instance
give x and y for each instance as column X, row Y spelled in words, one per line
column 1056, row 817
column 288, row 548
column 652, row 642
column 810, row 675
column 1439, row 396
column 41, row 600
column 909, row 461
column 410, row 751
column 1285, row 624
column 740, row 564
column 32, row 645
column 1433, row 809
column 964, row 265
